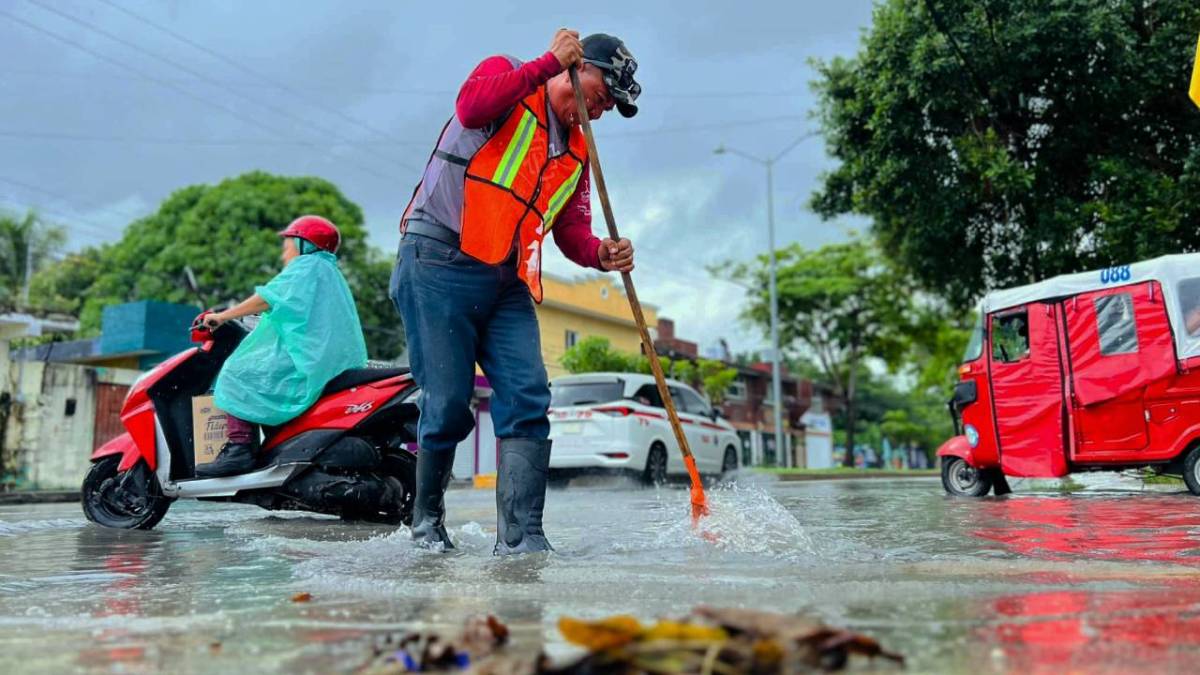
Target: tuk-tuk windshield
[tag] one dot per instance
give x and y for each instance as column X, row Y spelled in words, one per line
column 975, row 344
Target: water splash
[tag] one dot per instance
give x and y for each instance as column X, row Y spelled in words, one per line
column 8, row 529
column 741, row 520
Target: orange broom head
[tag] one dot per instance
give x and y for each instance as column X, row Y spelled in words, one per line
column 699, row 500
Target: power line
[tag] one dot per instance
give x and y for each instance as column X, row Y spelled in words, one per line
column 201, row 76
column 55, row 195
column 729, row 94
column 164, row 83
column 143, row 76
column 68, row 136
column 246, row 69
column 216, row 142
column 82, row 226
column 309, row 88
column 677, row 273
column 704, row 127
column 399, row 91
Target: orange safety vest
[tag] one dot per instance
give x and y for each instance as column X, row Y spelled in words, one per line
column 514, row 190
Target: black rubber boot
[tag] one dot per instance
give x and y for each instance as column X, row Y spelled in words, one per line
column 234, row 458
column 521, row 496
column 429, row 507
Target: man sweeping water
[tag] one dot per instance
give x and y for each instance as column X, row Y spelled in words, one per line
column 509, row 167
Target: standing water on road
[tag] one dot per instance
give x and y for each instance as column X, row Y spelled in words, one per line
column 1035, row 581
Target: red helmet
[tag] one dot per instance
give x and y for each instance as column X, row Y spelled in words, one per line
column 322, row 233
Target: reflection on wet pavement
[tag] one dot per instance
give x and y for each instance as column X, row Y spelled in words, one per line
column 1034, row 582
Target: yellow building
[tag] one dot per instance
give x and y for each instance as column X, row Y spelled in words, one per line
column 573, row 309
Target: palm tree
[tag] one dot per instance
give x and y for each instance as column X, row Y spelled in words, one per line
column 27, row 243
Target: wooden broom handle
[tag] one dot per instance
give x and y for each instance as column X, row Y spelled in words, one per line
column 647, row 343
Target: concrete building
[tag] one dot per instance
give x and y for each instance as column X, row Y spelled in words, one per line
column 56, row 415
column 48, row 411
column 133, row 336
column 15, row 325
column 749, row 407
column 61, row 400
column 573, row 309
column 667, row 344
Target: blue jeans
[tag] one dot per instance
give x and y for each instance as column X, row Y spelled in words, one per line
column 458, row 311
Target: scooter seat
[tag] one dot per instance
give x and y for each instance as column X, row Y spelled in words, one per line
column 359, row 376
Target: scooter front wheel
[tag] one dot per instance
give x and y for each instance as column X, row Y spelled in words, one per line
column 963, row 480
column 129, row 500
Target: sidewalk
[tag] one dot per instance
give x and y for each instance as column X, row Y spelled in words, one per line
column 39, row 497
column 842, row 473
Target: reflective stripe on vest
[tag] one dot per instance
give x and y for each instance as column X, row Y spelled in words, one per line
column 560, row 197
column 513, row 190
column 515, row 153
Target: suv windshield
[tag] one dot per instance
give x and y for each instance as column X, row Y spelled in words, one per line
column 975, row 344
column 585, row 393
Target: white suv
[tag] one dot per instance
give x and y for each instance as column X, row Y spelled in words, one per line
column 616, row 421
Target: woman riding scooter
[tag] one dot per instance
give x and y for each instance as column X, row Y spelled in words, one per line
column 309, row 334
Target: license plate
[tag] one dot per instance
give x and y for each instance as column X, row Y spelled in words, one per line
column 570, row 427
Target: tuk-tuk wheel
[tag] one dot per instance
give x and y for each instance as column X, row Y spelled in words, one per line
column 1191, row 470
column 963, row 480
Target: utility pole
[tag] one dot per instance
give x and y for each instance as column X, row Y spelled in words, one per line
column 776, row 355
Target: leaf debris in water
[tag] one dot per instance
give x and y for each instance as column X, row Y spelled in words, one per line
column 709, row 641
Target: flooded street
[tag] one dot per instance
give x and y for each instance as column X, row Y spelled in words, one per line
column 1039, row 581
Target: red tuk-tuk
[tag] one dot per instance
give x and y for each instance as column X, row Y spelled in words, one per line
column 1082, row 372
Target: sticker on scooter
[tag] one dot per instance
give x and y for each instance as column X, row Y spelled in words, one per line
column 359, row 408
column 1114, row 275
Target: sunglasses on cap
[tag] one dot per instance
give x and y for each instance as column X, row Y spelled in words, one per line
column 620, row 79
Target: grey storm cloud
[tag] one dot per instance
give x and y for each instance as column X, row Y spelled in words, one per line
column 110, row 105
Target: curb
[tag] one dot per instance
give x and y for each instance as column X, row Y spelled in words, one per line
column 40, row 497
column 797, row 478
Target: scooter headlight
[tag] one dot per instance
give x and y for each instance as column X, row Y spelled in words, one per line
column 972, row 435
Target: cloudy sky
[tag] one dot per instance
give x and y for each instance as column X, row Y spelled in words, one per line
column 107, row 106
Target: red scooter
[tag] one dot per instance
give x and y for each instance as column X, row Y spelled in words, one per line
column 348, row 455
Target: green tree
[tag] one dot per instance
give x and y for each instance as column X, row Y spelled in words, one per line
column 899, row 427
column 995, row 143
column 369, row 280
column 937, row 340
column 62, row 287
column 715, row 378
column 595, row 354
column 27, row 244
column 682, row 370
column 226, row 234
column 839, row 305
column 901, row 414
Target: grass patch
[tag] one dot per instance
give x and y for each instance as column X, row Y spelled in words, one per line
column 1068, row 484
column 1160, row 479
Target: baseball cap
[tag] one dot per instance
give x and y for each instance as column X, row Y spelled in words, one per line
column 612, row 57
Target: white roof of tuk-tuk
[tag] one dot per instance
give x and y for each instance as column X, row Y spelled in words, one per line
column 1178, row 275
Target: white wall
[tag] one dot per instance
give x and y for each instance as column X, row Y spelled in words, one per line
column 47, row 448
column 818, row 440
column 58, row 457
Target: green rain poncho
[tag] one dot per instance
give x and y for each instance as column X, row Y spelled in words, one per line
column 309, row 336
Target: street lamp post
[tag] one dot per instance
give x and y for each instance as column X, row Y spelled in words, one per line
column 776, row 379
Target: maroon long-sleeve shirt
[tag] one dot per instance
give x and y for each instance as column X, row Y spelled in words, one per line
column 491, row 90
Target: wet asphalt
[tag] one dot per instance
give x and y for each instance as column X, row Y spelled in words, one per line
column 1102, row 580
